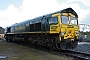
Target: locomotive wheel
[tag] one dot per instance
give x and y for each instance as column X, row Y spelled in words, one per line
column 26, row 39
column 57, row 45
column 7, row 39
column 63, row 45
column 13, row 39
column 72, row 44
column 75, row 43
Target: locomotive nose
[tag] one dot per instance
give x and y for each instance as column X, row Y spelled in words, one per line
column 69, row 34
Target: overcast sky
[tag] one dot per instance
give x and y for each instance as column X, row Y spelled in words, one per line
column 14, row 11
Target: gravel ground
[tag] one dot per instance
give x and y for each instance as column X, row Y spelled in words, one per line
column 83, row 47
column 14, row 51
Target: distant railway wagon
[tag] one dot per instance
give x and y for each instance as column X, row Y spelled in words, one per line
column 2, row 30
column 58, row 30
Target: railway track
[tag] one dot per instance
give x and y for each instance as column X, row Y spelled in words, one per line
column 77, row 55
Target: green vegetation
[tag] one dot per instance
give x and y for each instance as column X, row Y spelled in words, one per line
column 85, row 33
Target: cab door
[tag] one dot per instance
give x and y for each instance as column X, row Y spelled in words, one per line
column 27, row 26
column 45, row 24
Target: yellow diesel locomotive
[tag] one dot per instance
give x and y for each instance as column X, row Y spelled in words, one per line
column 58, row 30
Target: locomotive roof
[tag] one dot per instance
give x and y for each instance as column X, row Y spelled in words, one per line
column 67, row 10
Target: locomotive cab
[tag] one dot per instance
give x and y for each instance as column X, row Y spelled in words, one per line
column 67, row 28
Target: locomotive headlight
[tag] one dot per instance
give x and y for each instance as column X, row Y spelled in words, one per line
column 63, row 33
column 77, row 32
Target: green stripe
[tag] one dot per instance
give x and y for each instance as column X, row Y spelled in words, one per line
column 28, row 32
column 70, row 26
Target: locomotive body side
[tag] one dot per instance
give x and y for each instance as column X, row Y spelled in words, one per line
column 57, row 30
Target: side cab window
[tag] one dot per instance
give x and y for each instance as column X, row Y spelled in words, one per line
column 53, row 20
